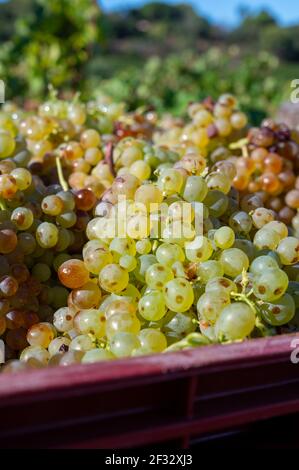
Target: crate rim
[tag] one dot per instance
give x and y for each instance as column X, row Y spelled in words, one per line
column 73, row 379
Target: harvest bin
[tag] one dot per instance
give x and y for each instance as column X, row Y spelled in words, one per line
column 170, row 399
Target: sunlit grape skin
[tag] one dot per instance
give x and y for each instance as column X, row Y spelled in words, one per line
column 73, row 274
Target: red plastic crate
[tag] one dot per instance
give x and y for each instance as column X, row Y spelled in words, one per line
column 167, row 398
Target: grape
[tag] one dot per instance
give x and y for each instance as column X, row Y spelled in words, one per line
column 270, row 284
column 35, row 355
column 152, row 341
column 209, row 270
column 7, row 144
column 86, row 297
column 90, row 321
column 219, row 284
column 234, row 261
column 168, row 254
column 278, row 312
column 22, row 177
column 200, row 249
column 236, row 321
column 95, row 355
column 123, row 344
column 59, row 345
column 261, row 217
column 63, row 319
column 122, row 322
column 179, row 295
column 152, row 306
column 195, row 189
column 170, row 181
column 81, row 343
column 262, row 263
column 217, row 202
column 73, row 274
column 8, row 241
column 288, row 250
column 266, row 238
column 41, row 334
column 209, row 305
column 41, row 272
column 113, row 278
column 157, row 275
column 52, row 205
column 240, row 222
column 224, row 237
column 47, row 235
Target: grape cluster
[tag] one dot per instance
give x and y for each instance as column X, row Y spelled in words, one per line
column 121, row 235
column 269, row 169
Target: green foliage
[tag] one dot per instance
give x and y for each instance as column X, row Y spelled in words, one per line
column 50, row 44
column 282, row 41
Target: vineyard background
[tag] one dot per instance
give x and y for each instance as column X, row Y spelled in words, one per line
column 158, row 55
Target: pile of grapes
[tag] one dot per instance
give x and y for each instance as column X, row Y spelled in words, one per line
column 122, row 234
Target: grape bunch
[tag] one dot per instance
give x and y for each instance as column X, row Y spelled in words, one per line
column 269, row 169
column 125, row 236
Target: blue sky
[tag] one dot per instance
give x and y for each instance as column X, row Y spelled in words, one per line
column 223, row 11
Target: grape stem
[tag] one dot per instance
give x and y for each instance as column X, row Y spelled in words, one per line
column 61, row 178
column 244, row 298
column 2, row 204
column 109, row 157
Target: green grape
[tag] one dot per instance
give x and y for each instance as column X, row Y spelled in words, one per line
column 219, row 284
column 122, row 322
column 68, row 200
column 152, row 306
column 66, row 219
column 152, row 341
column 64, row 239
column 47, row 235
column 240, row 222
column 261, row 216
column 266, row 239
column 143, row 263
column 247, row 247
column 209, row 270
column 97, row 354
column 22, row 159
column 41, row 272
column 195, row 189
column 90, row 321
column 234, row 261
column 63, row 319
column 270, row 284
column 293, row 290
column 59, row 345
column 236, row 321
column 122, row 246
column 179, row 324
column 52, row 205
column 22, row 218
column 26, row 243
column 219, row 181
column 58, row 296
column 113, row 278
column 23, row 178
column 278, row 312
column 179, row 295
column 60, row 259
column 279, row 227
column 7, row 144
column 224, row 237
column 35, row 355
column 261, row 263
column 168, row 254
column 157, row 275
column 170, row 181
column 123, row 344
column 210, row 305
column 128, row 262
column 217, row 202
column 144, row 246
column 200, row 249
column 81, row 343
column 96, row 257
column 288, row 250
